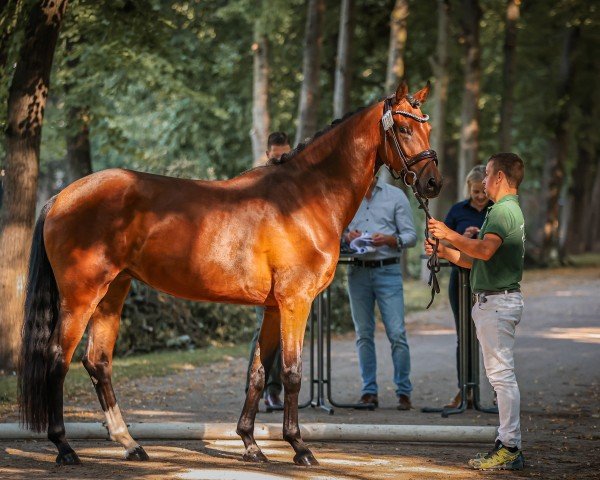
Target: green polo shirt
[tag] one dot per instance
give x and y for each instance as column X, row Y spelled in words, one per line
column 505, row 269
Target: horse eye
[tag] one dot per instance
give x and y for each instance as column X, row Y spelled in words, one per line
column 403, row 129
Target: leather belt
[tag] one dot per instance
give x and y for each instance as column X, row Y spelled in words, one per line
column 481, row 294
column 496, row 292
column 375, row 263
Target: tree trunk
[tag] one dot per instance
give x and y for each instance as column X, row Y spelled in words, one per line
column 395, row 65
column 313, row 40
column 343, row 75
column 439, row 65
column 398, row 35
column 26, row 102
column 469, row 115
column 554, row 169
column 261, row 120
column 79, row 157
column 593, row 226
column 508, row 74
column 582, row 183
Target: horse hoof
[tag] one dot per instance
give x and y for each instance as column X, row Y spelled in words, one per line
column 70, row 458
column 305, row 459
column 255, row 457
column 138, row 454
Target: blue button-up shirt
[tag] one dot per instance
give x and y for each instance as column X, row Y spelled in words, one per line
column 387, row 211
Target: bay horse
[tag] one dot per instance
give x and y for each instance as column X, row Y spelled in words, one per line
column 267, row 237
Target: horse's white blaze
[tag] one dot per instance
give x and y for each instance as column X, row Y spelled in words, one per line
column 117, row 429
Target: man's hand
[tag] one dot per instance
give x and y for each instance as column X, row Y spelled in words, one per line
column 471, row 232
column 438, row 229
column 430, row 243
column 380, row 239
column 352, row 234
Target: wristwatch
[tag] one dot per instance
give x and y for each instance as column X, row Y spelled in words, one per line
column 399, row 243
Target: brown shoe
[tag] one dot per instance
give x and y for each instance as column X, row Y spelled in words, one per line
column 369, row 398
column 404, row 402
column 455, row 402
column 273, row 401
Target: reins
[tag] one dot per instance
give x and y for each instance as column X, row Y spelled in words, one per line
column 387, row 121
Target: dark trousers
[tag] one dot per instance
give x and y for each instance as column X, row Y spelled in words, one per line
column 273, row 383
column 453, row 295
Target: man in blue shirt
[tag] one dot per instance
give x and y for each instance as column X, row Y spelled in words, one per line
column 386, row 215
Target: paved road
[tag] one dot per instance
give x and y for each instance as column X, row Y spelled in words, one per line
column 557, row 358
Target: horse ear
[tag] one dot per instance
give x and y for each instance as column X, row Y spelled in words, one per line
column 422, row 94
column 401, row 91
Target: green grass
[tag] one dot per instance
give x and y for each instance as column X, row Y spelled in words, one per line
column 156, row 364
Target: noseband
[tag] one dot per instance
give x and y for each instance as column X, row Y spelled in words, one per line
column 389, row 129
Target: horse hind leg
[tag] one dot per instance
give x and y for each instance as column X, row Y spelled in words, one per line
column 75, row 312
column 266, row 347
column 103, row 331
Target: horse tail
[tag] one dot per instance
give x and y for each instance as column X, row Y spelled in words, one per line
column 42, row 306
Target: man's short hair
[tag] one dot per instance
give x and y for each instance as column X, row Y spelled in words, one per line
column 277, row 138
column 512, row 166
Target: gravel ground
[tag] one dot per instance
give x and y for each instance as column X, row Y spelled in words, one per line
column 557, row 357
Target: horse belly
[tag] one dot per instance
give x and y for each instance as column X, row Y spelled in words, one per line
column 198, row 267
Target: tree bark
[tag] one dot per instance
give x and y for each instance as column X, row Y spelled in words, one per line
column 26, row 102
column 469, row 115
column 261, row 119
column 508, row 74
column 439, row 65
column 580, row 192
column 79, row 156
column 398, row 35
column 593, row 230
column 341, row 92
column 311, row 66
column 554, row 168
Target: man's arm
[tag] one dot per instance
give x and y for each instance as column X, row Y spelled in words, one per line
column 482, row 249
column 451, row 254
column 404, row 222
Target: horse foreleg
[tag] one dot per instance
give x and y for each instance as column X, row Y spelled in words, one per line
column 293, row 325
column 264, row 355
column 103, row 331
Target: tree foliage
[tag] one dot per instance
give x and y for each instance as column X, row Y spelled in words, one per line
column 167, row 84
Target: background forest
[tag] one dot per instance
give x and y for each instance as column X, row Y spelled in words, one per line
column 192, row 88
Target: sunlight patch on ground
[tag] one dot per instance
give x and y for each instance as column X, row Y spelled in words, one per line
column 38, row 456
column 440, row 331
column 571, row 293
column 340, row 461
column 582, row 335
column 150, row 413
column 439, row 470
column 213, row 474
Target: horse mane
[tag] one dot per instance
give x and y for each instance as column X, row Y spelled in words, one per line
column 286, row 157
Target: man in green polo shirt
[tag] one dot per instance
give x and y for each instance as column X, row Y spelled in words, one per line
column 496, row 262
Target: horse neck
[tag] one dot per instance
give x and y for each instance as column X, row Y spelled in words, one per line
column 342, row 162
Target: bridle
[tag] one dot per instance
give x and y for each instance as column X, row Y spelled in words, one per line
column 389, row 129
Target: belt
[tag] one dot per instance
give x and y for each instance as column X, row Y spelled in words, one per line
column 375, row 263
column 481, row 294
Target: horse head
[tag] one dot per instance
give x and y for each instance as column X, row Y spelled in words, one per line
column 405, row 143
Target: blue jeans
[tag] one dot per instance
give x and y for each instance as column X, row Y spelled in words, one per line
column 384, row 284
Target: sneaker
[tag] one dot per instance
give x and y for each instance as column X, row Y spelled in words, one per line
column 499, row 458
